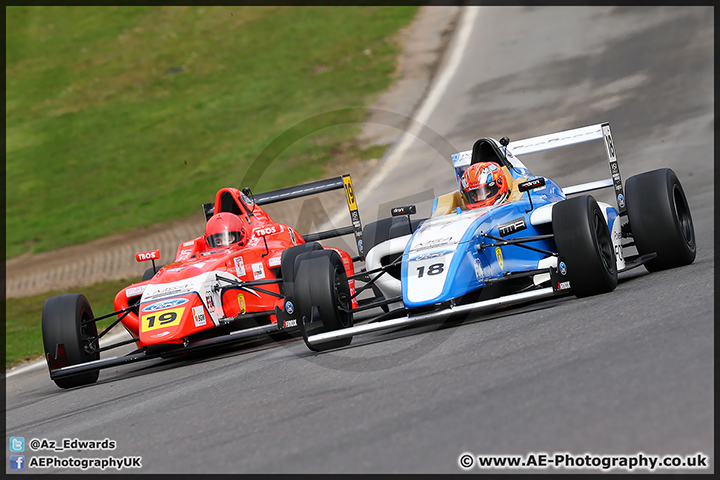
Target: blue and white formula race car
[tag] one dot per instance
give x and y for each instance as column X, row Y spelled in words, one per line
column 544, row 241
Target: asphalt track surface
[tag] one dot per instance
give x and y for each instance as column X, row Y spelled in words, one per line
column 618, row 374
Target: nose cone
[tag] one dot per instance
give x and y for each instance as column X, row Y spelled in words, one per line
column 434, row 260
column 161, row 321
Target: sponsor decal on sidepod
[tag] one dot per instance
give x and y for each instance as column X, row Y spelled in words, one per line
column 165, row 304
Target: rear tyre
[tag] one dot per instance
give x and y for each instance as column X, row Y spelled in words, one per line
column 150, row 272
column 321, row 291
column 660, row 219
column 583, row 241
column 386, row 229
column 382, row 231
column 63, row 331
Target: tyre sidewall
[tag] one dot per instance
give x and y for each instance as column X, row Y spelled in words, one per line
column 62, row 319
column 150, row 272
column 375, row 233
column 653, row 200
column 288, row 261
column 315, row 295
column 580, row 248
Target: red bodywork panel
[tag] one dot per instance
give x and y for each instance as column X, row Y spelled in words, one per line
column 181, row 300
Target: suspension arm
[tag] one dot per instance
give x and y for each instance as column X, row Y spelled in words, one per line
column 520, row 242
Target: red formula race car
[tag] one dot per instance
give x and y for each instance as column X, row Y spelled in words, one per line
column 234, row 282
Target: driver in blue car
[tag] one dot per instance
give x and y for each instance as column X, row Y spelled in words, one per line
column 484, row 184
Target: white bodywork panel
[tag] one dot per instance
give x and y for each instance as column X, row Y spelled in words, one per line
column 388, row 285
column 205, row 285
column 615, row 235
column 544, row 263
column 435, row 244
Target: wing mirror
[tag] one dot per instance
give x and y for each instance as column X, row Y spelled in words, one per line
column 531, row 184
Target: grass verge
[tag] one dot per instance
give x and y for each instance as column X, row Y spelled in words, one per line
column 121, row 117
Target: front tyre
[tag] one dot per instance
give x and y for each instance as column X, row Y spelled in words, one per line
column 660, row 219
column 288, row 264
column 68, row 336
column 583, row 241
column 322, row 294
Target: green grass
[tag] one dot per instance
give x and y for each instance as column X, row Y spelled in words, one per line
column 23, row 327
column 121, row 117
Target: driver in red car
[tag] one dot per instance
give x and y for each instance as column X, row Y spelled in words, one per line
column 225, row 229
column 484, row 184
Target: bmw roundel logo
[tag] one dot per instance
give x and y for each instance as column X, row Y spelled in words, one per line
column 289, row 308
column 562, row 268
column 621, row 200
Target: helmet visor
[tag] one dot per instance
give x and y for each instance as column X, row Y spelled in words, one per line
column 482, row 193
column 223, row 239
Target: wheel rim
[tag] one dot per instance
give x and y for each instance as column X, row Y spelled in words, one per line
column 682, row 213
column 341, row 298
column 604, row 244
column 88, row 335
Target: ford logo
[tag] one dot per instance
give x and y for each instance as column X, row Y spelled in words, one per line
column 289, row 308
column 428, row 256
column 165, row 304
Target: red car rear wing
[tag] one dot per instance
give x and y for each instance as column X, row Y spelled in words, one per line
column 314, row 188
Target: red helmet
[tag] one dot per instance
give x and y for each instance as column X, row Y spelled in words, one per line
column 484, row 184
column 225, row 229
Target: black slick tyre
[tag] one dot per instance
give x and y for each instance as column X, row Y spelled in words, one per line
column 322, row 294
column 375, row 233
column 150, row 272
column 67, row 339
column 660, row 219
column 287, row 264
column 584, row 243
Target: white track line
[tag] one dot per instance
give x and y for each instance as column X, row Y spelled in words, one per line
column 24, row 369
column 41, row 363
column 438, row 89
